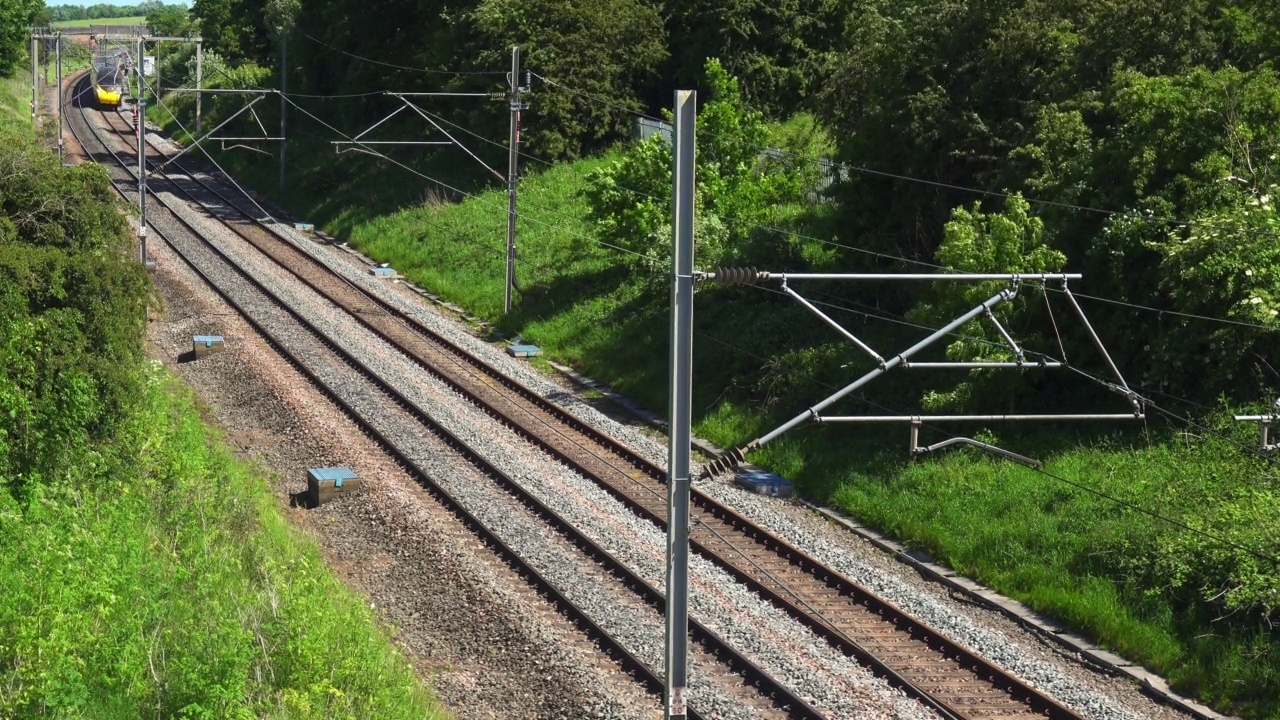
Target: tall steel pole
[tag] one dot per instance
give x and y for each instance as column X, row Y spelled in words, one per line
column 513, row 156
column 284, row 88
column 199, row 85
column 35, row 61
column 142, row 156
column 681, row 380
column 61, row 104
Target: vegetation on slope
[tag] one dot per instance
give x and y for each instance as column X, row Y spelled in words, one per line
column 143, row 571
column 1135, row 140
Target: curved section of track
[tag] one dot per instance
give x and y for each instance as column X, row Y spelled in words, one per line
column 716, row 647
column 920, row 660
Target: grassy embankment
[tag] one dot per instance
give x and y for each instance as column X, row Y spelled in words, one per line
column 144, row 571
column 1135, row 582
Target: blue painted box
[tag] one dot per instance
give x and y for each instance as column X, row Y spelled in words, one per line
column 325, row 484
column 524, row 350
column 383, row 271
column 764, row 483
column 202, row 345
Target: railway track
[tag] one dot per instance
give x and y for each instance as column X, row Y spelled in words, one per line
column 912, row 656
column 714, row 650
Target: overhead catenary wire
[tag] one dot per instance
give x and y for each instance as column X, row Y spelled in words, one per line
column 472, row 196
column 209, row 157
column 736, row 221
column 373, row 61
column 1192, row 316
column 803, row 236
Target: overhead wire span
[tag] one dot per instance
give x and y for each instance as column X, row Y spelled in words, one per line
column 208, row 156
column 593, row 98
column 730, row 219
column 403, row 67
column 1193, row 316
column 447, row 186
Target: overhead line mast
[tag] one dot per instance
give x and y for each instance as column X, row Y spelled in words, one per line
column 513, row 160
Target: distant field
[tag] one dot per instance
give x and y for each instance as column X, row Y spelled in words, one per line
column 135, row 20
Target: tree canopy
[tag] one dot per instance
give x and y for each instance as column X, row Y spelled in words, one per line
column 15, row 17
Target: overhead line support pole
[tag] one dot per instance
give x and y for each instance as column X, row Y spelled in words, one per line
column 199, row 84
column 681, row 385
column 142, row 154
column 284, row 88
column 61, row 104
column 35, row 61
column 513, row 156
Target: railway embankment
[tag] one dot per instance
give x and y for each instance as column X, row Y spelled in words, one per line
column 145, row 569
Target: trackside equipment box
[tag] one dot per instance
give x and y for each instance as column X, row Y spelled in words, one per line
column 325, row 484
column 765, row 483
column 202, row 345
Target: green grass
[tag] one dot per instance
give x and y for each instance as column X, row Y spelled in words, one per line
column 162, row 580
column 131, row 20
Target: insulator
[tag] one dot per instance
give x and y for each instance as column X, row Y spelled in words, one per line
column 739, row 276
column 727, row 462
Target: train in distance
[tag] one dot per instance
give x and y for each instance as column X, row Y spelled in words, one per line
column 110, row 76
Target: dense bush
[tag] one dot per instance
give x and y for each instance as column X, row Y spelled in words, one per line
column 1132, row 118
column 16, row 16
column 143, row 571
column 739, row 189
column 72, row 308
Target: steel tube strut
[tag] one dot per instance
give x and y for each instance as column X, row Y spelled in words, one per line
column 186, row 149
column 1097, row 341
column 888, row 365
column 1024, row 365
column 964, row 418
column 958, row 277
column 835, row 325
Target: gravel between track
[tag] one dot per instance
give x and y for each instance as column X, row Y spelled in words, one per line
column 983, row 631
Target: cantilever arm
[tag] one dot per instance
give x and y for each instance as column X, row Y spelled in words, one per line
column 207, row 135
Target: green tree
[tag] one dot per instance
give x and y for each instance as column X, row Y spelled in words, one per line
column 779, row 50
column 737, row 185
column 72, row 302
column 1012, row 241
column 1226, row 265
column 236, row 29
column 15, row 17
column 607, row 50
column 169, row 20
